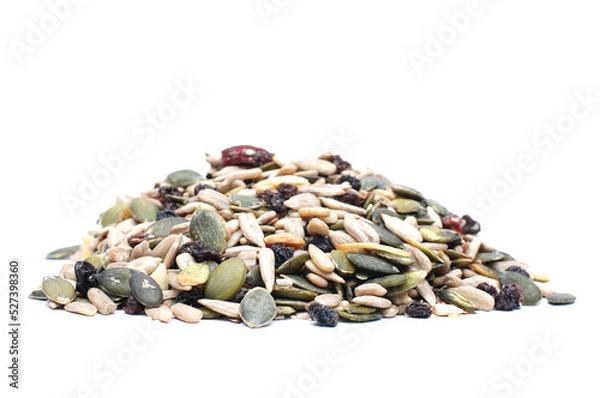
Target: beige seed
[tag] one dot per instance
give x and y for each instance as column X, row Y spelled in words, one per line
column 186, row 313
column 361, row 232
column 330, row 300
column 402, row 299
column 227, row 308
column 330, row 276
column 68, row 271
column 183, row 260
column 370, row 289
column 335, row 204
column 266, row 262
column 174, row 283
column 477, row 279
column 325, row 189
column 182, row 228
column 101, row 301
column 390, row 312
column 339, row 238
column 317, row 280
column 308, row 212
column 302, row 200
column 426, row 291
column 372, row 301
column 214, row 198
column 81, row 307
column 189, row 208
column 251, row 229
column 321, row 259
column 316, row 226
column 118, row 254
column 404, row 230
column 146, row 264
column 285, row 238
column 449, row 310
column 170, row 294
column 53, row 304
column 161, row 313
column 472, row 248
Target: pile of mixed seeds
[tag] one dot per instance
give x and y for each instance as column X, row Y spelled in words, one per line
column 258, row 238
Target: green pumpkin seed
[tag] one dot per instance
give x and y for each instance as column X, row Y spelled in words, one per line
column 386, row 236
column 407, row 192
column 438, row 208
column 304, row 283
column 342, row 263
column 98, row 260
column 226, row 280
column 371, row 182
column 395, row 259
column 352, row 308
column 293, row 265
column 406, row 206
column 484, row 270
column 428, row 252
column 561, row 299
column 284, row 310
column 194, row 274
column 439, row 235
column 115, row 281
column 453, row 297
column 184, row 178
column 207, row 313
column 162, row 227
column 143, row 209
column 209, row 228
column 298, row 305
column 245, row 201
column 392, row 280
column 254, row 277
column 488, row 257
column 38, row 294
column 376, row 215
column 531, row 293
column 145, row 289
column 257, row 308
column 359, row 317
column 293, row 293
column 413, row 279
column 62, row 253
column 58, row 289
column 115, row 214
column 372, row 263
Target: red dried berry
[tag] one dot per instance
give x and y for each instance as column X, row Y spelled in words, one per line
column 136, row 239
column 452, row 221
column 245, row 155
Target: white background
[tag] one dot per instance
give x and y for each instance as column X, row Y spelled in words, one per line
column 308, row 77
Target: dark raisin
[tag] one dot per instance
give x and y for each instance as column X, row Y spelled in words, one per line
column 352, row 198
column 190, row 297
column 200, row 251
column 165, row 213
column 418, row 309
column 136, row 239
column 274, row 200
column 322, row 242
column 86, row 276
column 322, row 314
column 287, row 190
column 282, row 254
column 201, row 187
column 452, row 221
column 239, row 296
column 133, row 307
column 518, row 270
column 166, row 194
column 470, row 226
column 489, row 289
column 509, row 298
column 353, row 181
column 340, row 163
column 245, row 155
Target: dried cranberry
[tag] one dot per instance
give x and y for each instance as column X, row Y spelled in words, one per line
column 510, row 297
column 418, row 309
column 340, row 163
column 287, row 190
column 190, row 297
column 200, row 251
column 352, row 198
column 133, row 307
column 86, row 276
column 166, row 194
column 353, row 181
column 322, row 242
column 136, row 239
column 282, row 254
column 274, row 200
column 245, row 155
column 519, row 270
column 322, row 314
column 201, row 187
column 452, row 221
column 489, row 289
column 470, row 226
column 165, row 213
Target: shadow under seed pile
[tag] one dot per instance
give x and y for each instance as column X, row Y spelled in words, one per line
column 258, row 238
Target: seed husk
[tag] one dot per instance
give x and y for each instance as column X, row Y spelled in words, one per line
column 209, row 228
column 143, row 209
column 58, row 289
column 226, row 280
column 561, row 299
column 531, row 293
column 257, row 308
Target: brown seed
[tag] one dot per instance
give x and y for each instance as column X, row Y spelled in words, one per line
column 186, row 313
column 161, row 313
column 316, row 226
column 370, row 289
column 101, row 301
column 81, row 307
column 372, row 301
